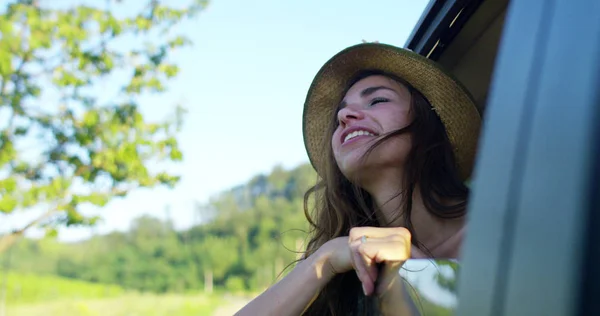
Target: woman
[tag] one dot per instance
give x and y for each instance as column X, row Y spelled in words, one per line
column 393, row 139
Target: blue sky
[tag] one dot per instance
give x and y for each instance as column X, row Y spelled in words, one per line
column 244, row 82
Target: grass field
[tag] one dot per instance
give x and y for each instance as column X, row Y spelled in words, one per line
column 25, row 288
column 124, row 305
column 50, row 295
column 29, row 294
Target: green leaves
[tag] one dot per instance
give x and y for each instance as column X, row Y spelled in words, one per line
column 5, row 63
column 54, row 67
column 447, row 276
column 7, row 204
column 244, row 247
column 93, row 198
column 7, row 149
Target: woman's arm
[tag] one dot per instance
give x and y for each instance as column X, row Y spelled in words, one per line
column 293, row 294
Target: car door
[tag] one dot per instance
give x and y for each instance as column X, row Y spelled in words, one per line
column 533, row 238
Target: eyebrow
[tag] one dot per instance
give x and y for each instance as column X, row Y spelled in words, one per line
column 367, row 92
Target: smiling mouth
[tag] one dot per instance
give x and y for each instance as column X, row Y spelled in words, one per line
column 357, row 134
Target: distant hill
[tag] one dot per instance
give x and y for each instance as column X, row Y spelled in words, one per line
column 251, row 235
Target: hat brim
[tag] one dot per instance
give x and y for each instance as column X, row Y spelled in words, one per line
column 448, row 97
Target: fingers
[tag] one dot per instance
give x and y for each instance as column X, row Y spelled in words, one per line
column 365, row 267
column 366, row 271
column 396, row 241
column 393, row 249
column 390, row 249
column 378, row 232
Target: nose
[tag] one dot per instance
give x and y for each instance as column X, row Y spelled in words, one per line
column 349, row 113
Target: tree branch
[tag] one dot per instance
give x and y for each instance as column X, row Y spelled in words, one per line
column 9, row 239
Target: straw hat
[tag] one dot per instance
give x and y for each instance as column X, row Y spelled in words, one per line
column 450, row 100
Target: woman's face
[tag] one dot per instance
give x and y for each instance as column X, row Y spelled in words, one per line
column 372, row 107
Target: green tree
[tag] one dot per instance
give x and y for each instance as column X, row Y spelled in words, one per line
column 448, row 279
column 235, row 248
column 68, row 140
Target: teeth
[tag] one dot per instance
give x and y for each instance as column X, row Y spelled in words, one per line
column 357, row 133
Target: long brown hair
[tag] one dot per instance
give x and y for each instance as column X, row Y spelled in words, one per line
column 341, row 205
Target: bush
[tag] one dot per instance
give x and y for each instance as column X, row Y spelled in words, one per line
column 235, row 284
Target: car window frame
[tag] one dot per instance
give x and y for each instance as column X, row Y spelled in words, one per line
column 515, row 221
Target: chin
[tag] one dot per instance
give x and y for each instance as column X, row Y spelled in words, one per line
column 356, row 171
column 351, row 175
column 349, row 166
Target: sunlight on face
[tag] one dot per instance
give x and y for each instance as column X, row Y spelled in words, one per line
column 373, row 107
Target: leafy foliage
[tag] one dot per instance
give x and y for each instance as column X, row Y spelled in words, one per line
column 253, row 232
column 71, row 81
column 253, row 235
column 448, row 279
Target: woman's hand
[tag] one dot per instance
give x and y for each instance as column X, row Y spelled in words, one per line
column 371, row 246
column 388, row 246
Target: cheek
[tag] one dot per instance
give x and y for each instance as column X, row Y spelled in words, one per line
column 335, row 139
column 399, row 120
column 336, row 147
column 394, row 151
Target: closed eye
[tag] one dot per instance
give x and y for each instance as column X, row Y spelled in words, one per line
column 378, row 100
